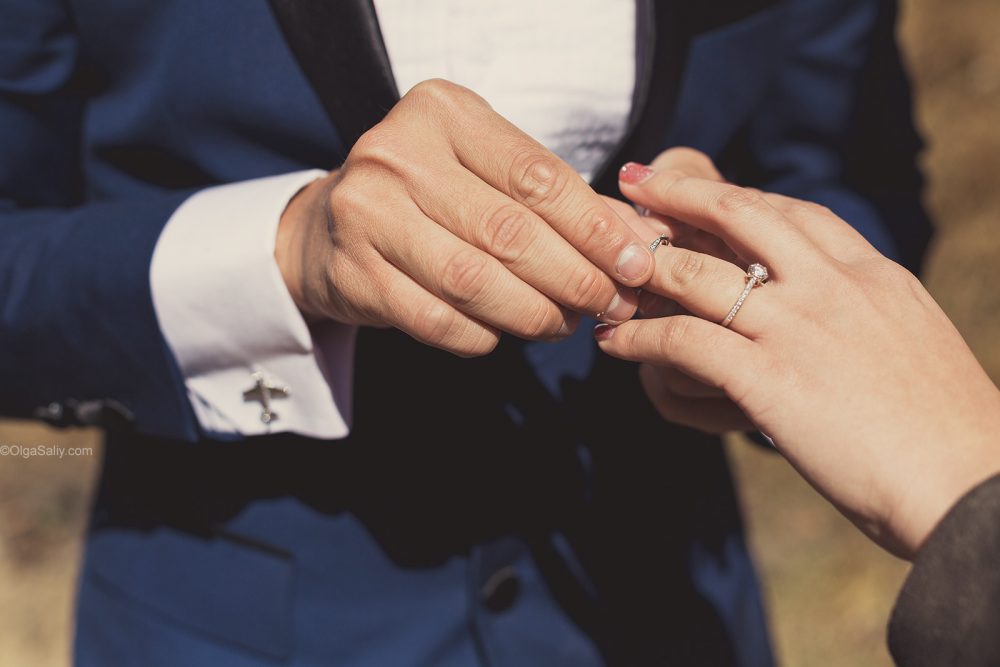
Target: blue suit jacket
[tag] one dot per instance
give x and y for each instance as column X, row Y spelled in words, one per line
column 483, row 512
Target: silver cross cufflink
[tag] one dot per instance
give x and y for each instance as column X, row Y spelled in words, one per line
column 264, row 391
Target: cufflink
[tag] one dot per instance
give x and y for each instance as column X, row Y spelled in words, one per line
column 264, row 391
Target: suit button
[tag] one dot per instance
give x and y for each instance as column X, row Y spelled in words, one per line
column 501, row 590
column 54, row 413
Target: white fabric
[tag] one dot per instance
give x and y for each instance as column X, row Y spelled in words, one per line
column 224, row 309
column 562, row 72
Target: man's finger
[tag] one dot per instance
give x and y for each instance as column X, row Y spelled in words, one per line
column 524, row 243
column 407, row 306
column 528, row 173
column 472, row 281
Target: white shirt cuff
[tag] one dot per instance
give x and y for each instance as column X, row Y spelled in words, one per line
column 225, row 312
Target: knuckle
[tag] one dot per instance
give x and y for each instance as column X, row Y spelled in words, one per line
column 508, row 233
column 697, row 157
column 434, row 323
column 690, row 156
column 672, row 177
column 536, row 178
column 739, row 201
column 891, row 275
column 585, row 289
column 465, row 276
column 627, row 338
column 347, row 200
column 686, row 269
column 598, row 230
column 374, row 146
column 436, row 89
column 542, row 322
column 669, row 179
column 480, row 344
column 796, row 207
column 674, row 336
column 821, row 210
column 358, row 301
column 442, row 94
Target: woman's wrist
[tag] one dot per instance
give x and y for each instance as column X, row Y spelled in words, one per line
column 927, row 501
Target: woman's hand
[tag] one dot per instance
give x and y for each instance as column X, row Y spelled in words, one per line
column 841, row 357
column 449, row 223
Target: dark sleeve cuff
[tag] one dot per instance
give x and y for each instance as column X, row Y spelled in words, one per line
column 78, row 331
column 948, row 612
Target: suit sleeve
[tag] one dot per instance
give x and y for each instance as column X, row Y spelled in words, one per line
column 78, row 333
column 81, row 338
column 836, row 126
column 948, row 610
column 225, row 312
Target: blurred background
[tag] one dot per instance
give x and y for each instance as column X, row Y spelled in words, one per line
column 828, row 590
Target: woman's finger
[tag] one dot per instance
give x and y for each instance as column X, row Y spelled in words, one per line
column 685, row 386
column 687, row 160
column 711, row 415
column 742, row 218
column 706, row 352
column 833, row 235
column 647, row 227
column 709, row 287
column 654, row 305
column 685, row 236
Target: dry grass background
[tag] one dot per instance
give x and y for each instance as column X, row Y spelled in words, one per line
column 828, row 590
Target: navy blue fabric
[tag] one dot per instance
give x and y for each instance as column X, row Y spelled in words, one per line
column 625, row 545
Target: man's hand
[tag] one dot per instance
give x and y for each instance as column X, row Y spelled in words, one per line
column 452, row 225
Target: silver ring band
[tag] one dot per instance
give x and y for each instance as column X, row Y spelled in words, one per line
column 756, row 275
column 660, row 240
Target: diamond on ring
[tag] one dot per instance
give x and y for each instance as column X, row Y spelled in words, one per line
column 758, row 272
column 756, row 275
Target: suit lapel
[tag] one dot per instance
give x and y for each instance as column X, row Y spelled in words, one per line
column 338, row 46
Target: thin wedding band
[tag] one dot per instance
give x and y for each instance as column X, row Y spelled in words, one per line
column 756, row 275
column 660, row 240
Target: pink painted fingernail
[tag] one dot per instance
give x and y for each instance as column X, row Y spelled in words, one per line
column 604, row 331
column 634, row 173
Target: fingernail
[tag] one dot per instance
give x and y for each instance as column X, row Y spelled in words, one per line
column 622, row 307
column 568, row 325
column 604, row 331
column 634, row 262
column 634, row 173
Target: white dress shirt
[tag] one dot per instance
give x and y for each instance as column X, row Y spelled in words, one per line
column 562, row 72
